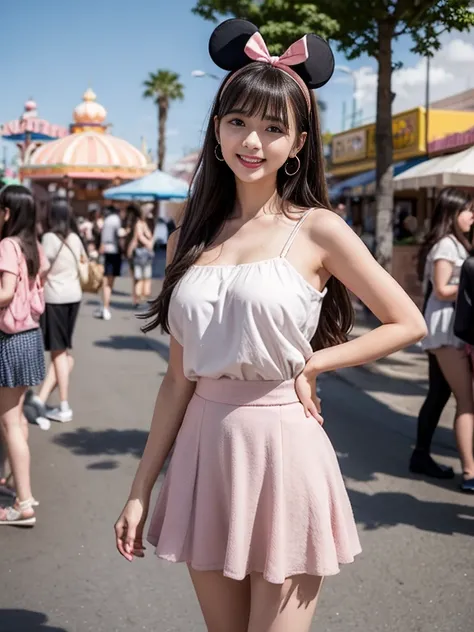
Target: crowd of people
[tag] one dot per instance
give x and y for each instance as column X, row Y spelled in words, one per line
column 44, row 266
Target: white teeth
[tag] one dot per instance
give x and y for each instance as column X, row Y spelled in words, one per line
column 252, row 160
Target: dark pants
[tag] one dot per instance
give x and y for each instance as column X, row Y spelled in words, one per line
column 439, row 392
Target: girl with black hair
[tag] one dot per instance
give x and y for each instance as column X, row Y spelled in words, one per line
column 441, row 257
column 254, row 299
column 22, row 265
column 66, row 253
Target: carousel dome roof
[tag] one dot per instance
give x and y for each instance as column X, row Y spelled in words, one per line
column 89, row 112
column 88, row 154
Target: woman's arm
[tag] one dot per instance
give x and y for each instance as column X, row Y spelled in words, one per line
column 345, row 257
column 142, row 236
column 442, row 272
column 7, row 287
column 171, row 403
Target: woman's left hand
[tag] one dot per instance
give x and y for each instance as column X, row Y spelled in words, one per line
column 305, row 387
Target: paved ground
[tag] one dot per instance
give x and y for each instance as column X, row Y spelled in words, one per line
column 416, row 572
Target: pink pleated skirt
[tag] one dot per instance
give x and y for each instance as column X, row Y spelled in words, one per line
column 253, row 485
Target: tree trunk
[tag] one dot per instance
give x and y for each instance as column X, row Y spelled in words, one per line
column 162, row 116
column 384, row 150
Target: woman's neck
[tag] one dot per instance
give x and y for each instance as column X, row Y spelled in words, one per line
column 254, row 198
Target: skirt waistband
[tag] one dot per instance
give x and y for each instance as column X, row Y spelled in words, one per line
column 247, row 392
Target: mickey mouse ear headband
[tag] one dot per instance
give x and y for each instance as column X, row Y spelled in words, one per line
column 236, row 43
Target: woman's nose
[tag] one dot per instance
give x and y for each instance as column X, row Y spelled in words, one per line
column 252, row 141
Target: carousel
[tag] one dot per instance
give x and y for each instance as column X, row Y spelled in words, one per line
column 87, row 161
column 29, row 131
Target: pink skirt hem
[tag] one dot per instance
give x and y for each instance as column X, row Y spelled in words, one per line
column 253, row 486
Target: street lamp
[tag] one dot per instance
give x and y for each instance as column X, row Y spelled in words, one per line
column 201, row 73
column 351, row 73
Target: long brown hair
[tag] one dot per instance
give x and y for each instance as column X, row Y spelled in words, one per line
column 449, row 204
column 22, row 223
column 263, row 90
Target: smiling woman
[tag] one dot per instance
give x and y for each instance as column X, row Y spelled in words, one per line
column 255, row 301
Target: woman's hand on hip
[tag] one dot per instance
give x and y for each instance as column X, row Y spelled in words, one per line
column 129, row 529
column 305, row 386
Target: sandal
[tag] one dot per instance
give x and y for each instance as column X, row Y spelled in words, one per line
column 20, row 515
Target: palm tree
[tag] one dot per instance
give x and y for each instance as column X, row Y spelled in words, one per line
column 163, row 86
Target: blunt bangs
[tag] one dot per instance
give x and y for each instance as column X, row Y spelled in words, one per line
column 260, row 90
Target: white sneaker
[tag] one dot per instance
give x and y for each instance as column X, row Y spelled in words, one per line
column 63, row 416
column 43, row 423
column 106, row 315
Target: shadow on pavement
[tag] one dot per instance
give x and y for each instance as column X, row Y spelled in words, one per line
column 381, row 445
column 135, row 343
column 113, row 442
column 389, row 509
column 25, row 621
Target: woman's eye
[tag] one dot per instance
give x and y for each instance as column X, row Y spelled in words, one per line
column 275, row 130
column 236, row 122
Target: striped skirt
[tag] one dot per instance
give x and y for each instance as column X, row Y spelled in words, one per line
column 21, row 359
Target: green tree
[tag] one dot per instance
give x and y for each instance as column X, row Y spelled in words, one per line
column 163, row 87
column 360, row 27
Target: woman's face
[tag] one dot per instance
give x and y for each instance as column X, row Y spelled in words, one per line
column 465, row 219
column 255, row 148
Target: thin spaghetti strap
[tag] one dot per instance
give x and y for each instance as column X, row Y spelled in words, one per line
column 293, row 234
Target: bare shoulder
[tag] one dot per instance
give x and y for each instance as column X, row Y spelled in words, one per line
column 327, row 227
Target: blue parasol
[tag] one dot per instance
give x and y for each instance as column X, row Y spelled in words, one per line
column 155, row 186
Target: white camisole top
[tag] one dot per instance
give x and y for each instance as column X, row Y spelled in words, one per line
column 249, row 321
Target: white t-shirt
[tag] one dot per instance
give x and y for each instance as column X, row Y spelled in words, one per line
column 439, row 315
column 111, row 232
column 63, row 284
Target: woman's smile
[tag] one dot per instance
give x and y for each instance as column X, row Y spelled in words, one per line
column 250, row 162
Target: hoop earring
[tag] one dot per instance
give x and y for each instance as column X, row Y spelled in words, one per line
column 216, row 154
column 297, row 168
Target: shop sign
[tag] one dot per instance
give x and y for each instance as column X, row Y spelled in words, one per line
column 405, row 134
column 349, row 147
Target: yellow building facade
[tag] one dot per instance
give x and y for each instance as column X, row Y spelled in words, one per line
column 353, row 151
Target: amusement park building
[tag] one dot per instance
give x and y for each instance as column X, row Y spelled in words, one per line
column 87, row 160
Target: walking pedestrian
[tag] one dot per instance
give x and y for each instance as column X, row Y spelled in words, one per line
column 253, row 500
column 110, row 248
column 66, row 253
column 139, row 249
column 442, row 254
column 22, row 264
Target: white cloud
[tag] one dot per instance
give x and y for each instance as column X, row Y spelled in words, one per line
column 450, row 73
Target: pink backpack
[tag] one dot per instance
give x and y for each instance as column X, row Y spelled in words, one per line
column 27, row 304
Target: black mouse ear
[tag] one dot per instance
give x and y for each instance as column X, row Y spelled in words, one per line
column 319, row 67
column 228, row 41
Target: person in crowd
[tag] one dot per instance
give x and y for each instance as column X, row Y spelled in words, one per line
column 110, row 248
column 255, row 300
column 90, row 232
column 97, row 226
column 139, row 249
column 66, row 253
column 22, row 264
column 441, row 256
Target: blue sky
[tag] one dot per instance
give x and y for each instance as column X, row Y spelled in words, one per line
column 54, row 49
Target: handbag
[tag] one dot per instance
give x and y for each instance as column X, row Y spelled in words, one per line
column 464, row 312
column 27, row 302
column 95, row 277
column 90, row 273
